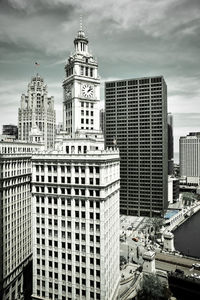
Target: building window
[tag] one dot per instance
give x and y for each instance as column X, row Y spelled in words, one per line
column 91, row 72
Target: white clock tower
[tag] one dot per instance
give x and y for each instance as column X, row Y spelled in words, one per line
column 84, row 179
column 81, row 90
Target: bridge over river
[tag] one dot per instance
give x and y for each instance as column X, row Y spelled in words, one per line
column 168, row 262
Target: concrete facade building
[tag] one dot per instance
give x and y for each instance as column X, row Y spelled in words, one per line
column 136, row 122
column 76, row 225
column 36, row 108
column 76, row 196
column 189, row 157
column 15, row 216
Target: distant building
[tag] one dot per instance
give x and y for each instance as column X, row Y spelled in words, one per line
column 176, row 170
column 10, row 130
column 15, row 216
column 170, row 144
column 59, row 127
column 173, row 189
column 189, row 157
column 136, row 122
column 36, row 108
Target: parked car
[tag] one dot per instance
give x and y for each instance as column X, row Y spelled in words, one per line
column 196, row 266
column 135, row 239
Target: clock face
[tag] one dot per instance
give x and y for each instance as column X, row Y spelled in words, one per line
column 88, row 91
column 68, row 92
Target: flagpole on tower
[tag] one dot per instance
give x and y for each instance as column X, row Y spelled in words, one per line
column 37, row 65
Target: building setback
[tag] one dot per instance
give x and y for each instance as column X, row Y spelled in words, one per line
column 136, row 121
column 189, row 157
column 15, row 216
column 36, row 108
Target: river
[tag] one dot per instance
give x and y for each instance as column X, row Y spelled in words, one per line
column 187, row 236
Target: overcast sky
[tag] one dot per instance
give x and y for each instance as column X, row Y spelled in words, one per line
column 130, row 38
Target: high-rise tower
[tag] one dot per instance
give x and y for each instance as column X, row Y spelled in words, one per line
column 136, row 119
column 189, row 154
column 36, row 108
column 76, row 197
column 170, row 144
column 81, row 89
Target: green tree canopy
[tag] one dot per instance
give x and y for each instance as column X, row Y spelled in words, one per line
column 153, row 289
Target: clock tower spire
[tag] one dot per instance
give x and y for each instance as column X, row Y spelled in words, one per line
column 81, row 90
column 81, row 41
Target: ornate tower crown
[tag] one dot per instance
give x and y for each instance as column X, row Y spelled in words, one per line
column 81, row 41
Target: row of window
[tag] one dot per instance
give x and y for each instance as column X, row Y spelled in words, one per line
column 87, row 104
column 78, row 226
column 69, row 289
column 68, row 201
column 67, row 169
column 67, row 191
column 86, row 71
column 68, row 267
column 54, row 211
column 67, row 180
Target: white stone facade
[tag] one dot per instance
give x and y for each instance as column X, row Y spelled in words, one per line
column 76, row 196
column 81, row 90
column 149, row 262
column 36, row 108
column 15, row 215
column 168, row 241
column 76, row 225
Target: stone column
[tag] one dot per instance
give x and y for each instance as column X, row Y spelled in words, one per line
column 168, row 241
column 149, row 262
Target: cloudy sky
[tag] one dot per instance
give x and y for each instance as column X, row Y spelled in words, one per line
column 130, row 38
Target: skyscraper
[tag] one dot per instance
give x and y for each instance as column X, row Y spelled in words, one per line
column 15, row 216
column 189, row 154
column 76, row 196
column 136, row 120
column 36, row 108
column 170, row 144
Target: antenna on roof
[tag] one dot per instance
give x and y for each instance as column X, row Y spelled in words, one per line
column 81, row 23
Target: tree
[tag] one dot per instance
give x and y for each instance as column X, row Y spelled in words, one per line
column 153, row 289
column 157, row 224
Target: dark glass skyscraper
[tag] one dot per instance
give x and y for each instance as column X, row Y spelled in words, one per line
column 136, row 121
column 170, row 144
